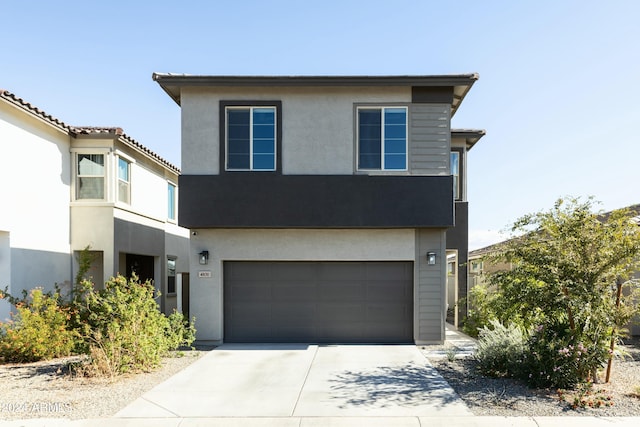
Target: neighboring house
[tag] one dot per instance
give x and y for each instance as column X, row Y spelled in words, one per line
column 479, row 267
column 69, row 187
column 322, row 209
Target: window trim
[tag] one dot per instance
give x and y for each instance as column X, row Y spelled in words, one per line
column 382, row 108
column 223, row 134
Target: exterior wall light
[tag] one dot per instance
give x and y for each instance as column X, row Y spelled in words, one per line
column 204, row 257
column 431, row 258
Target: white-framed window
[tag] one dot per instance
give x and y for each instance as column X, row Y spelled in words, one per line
column 455, row 173
column 171, row 201
column 90, row 176
column 251, row 138
column 382, row 138
column 124, row 180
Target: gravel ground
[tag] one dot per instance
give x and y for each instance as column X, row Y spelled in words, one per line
column 47, row 390
column 506, row 397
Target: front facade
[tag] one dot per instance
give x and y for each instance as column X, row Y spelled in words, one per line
column 82, row 187
column 320, row 207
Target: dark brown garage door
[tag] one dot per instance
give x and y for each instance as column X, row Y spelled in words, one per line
column 318, row 302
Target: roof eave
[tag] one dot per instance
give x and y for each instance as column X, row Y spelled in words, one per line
column 172, row 83
column 471, row 136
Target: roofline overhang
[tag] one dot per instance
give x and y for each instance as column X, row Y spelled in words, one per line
column 173, row 83
column 471, row 136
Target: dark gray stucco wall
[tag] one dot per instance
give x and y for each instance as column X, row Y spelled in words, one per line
column 458, row 238
column 266, row 200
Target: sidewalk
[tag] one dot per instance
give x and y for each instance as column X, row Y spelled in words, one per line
column 336, row 422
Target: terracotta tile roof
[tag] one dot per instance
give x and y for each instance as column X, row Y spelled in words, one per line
column 84, row 130
column 116, row 131
column 32, row 109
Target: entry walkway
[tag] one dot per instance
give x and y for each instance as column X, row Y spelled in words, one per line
column 456, row 344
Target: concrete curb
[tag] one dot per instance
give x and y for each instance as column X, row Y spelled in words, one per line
column 333, row 422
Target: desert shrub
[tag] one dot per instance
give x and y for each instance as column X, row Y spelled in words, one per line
column 38, row 329
column 180, row 331
column 500, row 349
column 123, row 329
column 559, row 357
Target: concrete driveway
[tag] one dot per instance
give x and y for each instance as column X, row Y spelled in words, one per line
column 254, row 380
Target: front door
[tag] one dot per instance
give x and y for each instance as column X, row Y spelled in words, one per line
column 142, row 265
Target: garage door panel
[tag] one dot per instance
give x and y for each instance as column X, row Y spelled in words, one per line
column 251, row 311
column 251, row 292
column 388, row 271
column 342, row 291
column 387, row 312
column 291, row 312
column 318, row 302
column 391, row 291
column 341, row 312
column 292, row 291
column 297, row 271
column 346, row 271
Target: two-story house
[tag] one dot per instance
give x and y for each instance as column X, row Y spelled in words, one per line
column 322, row 208
column 68, row 188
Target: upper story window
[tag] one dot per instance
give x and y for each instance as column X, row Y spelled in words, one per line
column 90, row 173
column 124, row 181
column 171, row 198
column 251, row 138
column 382, row 138
column 455, row 173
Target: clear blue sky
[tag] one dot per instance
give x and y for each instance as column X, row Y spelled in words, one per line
column 558, row 94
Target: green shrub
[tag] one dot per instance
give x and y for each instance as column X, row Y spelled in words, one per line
column 38, row 329
column 481, row 302
column 180, row 331
column 500, row 349
column 123, row 329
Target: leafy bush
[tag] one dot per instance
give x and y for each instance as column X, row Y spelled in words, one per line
column 119, row 327
column 481, row 310
column 500, row 349
column 559, row 357
column 38, row 330
column 180, row 331
column 124, row 330
column 567, row 271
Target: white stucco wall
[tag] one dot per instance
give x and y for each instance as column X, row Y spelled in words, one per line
column 5, row 271
column 148, row 193
column 317, row 125
column 36, row 171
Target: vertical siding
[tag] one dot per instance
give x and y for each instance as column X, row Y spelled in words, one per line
column 429, row 287
column 430, row 139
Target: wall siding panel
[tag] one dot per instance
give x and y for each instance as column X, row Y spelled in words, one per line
column 430, row 287
column 430, row 139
